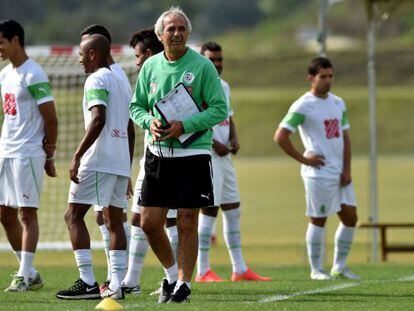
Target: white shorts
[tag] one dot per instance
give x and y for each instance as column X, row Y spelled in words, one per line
column 96, row 188
column 324, row 196
column 225, row 186
column 99, row 208
column 21, row 181
column 172, row 213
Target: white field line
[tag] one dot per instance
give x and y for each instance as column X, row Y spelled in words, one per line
column 308, row 292
column 277, row 298
column 406, row 278
column 331, row 288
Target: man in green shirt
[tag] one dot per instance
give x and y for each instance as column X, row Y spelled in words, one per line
column 176, row 177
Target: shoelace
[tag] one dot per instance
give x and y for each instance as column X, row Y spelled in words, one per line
column 156, row 292
column 13, row 275
column 17, row 279
column 77, row 286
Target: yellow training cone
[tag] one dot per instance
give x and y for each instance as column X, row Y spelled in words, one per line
column 108, row 304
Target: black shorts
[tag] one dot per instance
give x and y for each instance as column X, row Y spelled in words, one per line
column 182, row 182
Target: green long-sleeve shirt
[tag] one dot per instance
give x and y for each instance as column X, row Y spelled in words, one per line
column 158, row 76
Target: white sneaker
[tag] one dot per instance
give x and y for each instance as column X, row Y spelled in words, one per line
column 117, row 294
column 320, row 275
column 344, row 274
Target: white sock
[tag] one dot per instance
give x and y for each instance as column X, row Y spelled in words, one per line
column 138, row 249
column 105, row 237
column 231, row 230
column 343, row 241
column 205, row 228
column 127, row 233
column 128, row 240
column 117, row 258
column 83, row 259
column 179, row 283
column 33, row 271
column 25, row 265
column 214, row 230
column 315, row 243
column 171, row 273
column 173, row 237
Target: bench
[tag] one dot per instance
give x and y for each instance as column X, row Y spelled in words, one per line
column 385, row 246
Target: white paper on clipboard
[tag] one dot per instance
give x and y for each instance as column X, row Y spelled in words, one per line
column 178, row 105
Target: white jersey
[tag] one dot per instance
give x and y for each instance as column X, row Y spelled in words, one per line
column 23, row 89
column 221, row 131
column 110, row 152
column 117, row 69
column 321, row 123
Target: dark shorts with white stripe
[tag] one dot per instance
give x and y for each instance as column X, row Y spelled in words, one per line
column 181, row 182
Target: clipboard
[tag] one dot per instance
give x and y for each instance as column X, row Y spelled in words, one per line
column 179, row 105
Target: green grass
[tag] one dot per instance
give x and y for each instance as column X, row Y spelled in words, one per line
column 382, row 288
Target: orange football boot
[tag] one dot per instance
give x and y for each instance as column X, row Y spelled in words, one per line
column 249, row 275
column 209, row 276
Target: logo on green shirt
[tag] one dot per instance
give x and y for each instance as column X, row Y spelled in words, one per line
column 188, row 77
column 153, row 87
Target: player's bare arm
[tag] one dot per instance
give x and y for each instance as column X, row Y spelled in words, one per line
column 221, row 149
column 48, row 112
column 131, row 144
column 234, row 141
column 92, row 133
column 131, row 139
column 282, row 137
column 346, row 173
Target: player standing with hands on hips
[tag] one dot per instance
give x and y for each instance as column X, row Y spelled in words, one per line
column 323, row 125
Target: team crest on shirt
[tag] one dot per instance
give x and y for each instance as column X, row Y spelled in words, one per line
column 153, row 87
column 188, row 77
column 9, row 105
column 332, row 128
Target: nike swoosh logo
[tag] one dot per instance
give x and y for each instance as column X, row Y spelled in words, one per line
column 88, row 290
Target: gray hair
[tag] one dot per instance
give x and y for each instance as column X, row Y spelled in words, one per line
column 174, row 10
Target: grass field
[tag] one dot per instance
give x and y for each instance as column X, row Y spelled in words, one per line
column 273, row 230
column 384, row 287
